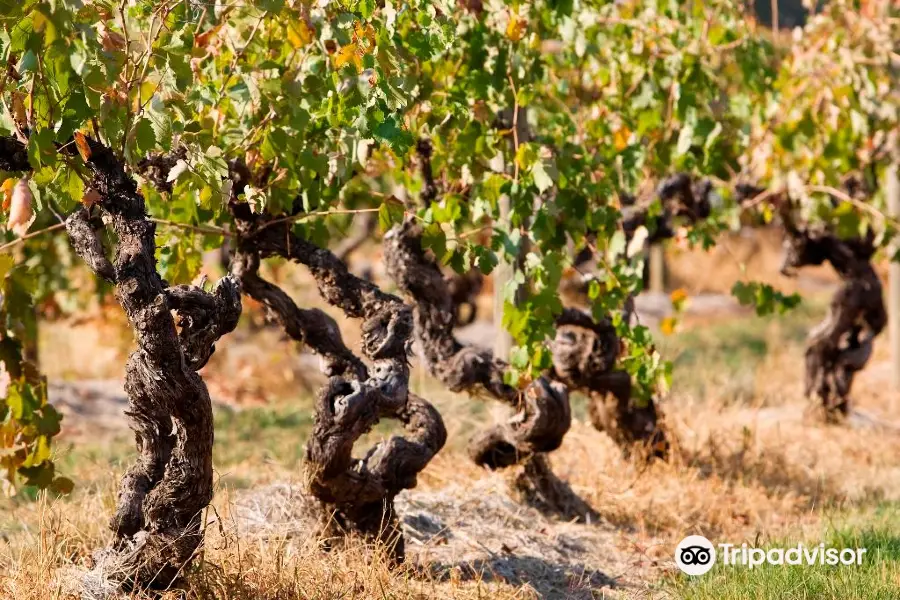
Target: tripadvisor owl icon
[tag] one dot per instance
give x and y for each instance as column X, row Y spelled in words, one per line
column 695, row 555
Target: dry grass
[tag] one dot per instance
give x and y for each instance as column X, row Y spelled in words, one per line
column 752, row 254
column 753, row 463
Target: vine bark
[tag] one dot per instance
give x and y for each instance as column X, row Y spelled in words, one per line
column 842, row 343
column 158, row 523
column 543, row 415
column 584, row 352
column 355, row 495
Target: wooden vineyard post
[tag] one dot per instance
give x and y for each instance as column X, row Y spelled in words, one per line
column 892, row 189
column 503, row 273
column 657, row 266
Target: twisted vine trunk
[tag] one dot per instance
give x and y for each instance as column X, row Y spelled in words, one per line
column 355, row 495
column 158, row 520
column 584, row 351
column 584, row 354
column 682, row 199
column 842, row 343
column 542, row 414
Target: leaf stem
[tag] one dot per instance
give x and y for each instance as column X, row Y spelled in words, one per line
column 33, row 234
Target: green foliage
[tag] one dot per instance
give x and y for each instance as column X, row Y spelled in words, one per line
column 764, row 298
column 27, row 422
column 554, row 109
column 832, row 110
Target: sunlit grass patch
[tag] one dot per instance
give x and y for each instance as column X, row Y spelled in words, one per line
column 275, row 433
column 877, row 578
column 721, row 361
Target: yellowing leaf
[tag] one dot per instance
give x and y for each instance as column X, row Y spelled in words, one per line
column 299, row 33
column 620, row 138
column 7, row 190
column 366, row 33
column 667, row 325
column 18, row 109
column 83, row 148
column 678, row 298
column 40, row 452
column 516, row 28
column 39, row 21
column 346, row 55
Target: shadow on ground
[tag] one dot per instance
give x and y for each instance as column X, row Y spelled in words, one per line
column 547, row 579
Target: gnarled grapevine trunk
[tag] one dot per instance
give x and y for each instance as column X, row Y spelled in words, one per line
column 356, row 495
column 158, row 521
column 841, row 344
column 681, row 197
column 584, row 351
column 542, row 414
column 584, row 354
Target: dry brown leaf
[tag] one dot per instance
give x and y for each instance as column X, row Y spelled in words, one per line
column 110, row 40
column 21, row 214
column 90, row 198
column 18, row 109
column 202, row 40
column 84, row 148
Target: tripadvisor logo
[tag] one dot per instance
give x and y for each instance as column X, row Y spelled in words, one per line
column 696, row 555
